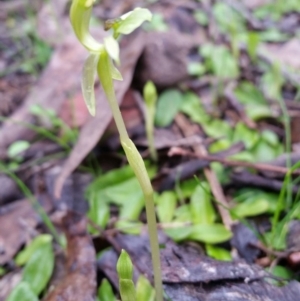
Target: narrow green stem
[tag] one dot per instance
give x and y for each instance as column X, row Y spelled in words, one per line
column 137, row 164
column 152, row 226
column 288, row 143
column 150, row 134
column 108, row 87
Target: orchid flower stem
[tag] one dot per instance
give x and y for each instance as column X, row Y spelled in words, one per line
column 137, row 164
column 152, row 228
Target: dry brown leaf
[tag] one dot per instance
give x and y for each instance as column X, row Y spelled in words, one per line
column 8, row 282
column 58, row 83
column 17, row 221
column 79, row 283
column 252, row 4
column 286, row 54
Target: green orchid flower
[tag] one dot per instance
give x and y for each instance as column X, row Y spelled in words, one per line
column 102, row 59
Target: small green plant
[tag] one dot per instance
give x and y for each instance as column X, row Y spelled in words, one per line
column 150, row 97
column 38, row 261
column 101, row 59
column 143, row 290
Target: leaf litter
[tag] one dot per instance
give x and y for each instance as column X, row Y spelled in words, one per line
column 225, row 93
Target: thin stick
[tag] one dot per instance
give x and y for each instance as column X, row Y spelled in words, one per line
column 234, row 163
column 211, row 177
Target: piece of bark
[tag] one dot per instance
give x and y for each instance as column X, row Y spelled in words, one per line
column 93, row 130
column 9, row 190
column 243, row 240
column 251, row 180
column 79, row 283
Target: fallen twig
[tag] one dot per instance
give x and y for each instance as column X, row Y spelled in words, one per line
column 215, row 185
column 228, row 162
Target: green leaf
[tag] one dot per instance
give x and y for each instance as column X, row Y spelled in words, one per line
column 133, row 19
column 201, row 17
column 22, row 292
column 37, row 243
column 220, row 61
column 196, row 69
column 179, row 233
column 252, row 202
column 166, row 204
column 183, row 214
column 247, row 136
column 272, row 82
column 105, row 292
column 223, row 174
column 217, row 253
column 264, row 152
column 87, row 82
column 144, row 290
column 256, row 105
column 273, row 35
column 220, row 145
column 111, row 178
column 17, row 147
column 37, row 110
column 243, row 156
column 247, row 93
column 38, row 269
column 252, row 44
column 2, row 271
column 112, row 47
column 124, row 266
column 278, row 241
column 129, row 196
column 228, row 19
column 270, row 137
column 133, row 228
column 257, row 112
column 98, row 212
column 251, row 207
column 201, row 207
column 282, row 272
column 127, row 290
column 188, row 187
column 211, row 234
column 224, row 65
column 192, row 106
column 118, row 187
column 169, row 103
column 157, row 23
column 218, row 128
